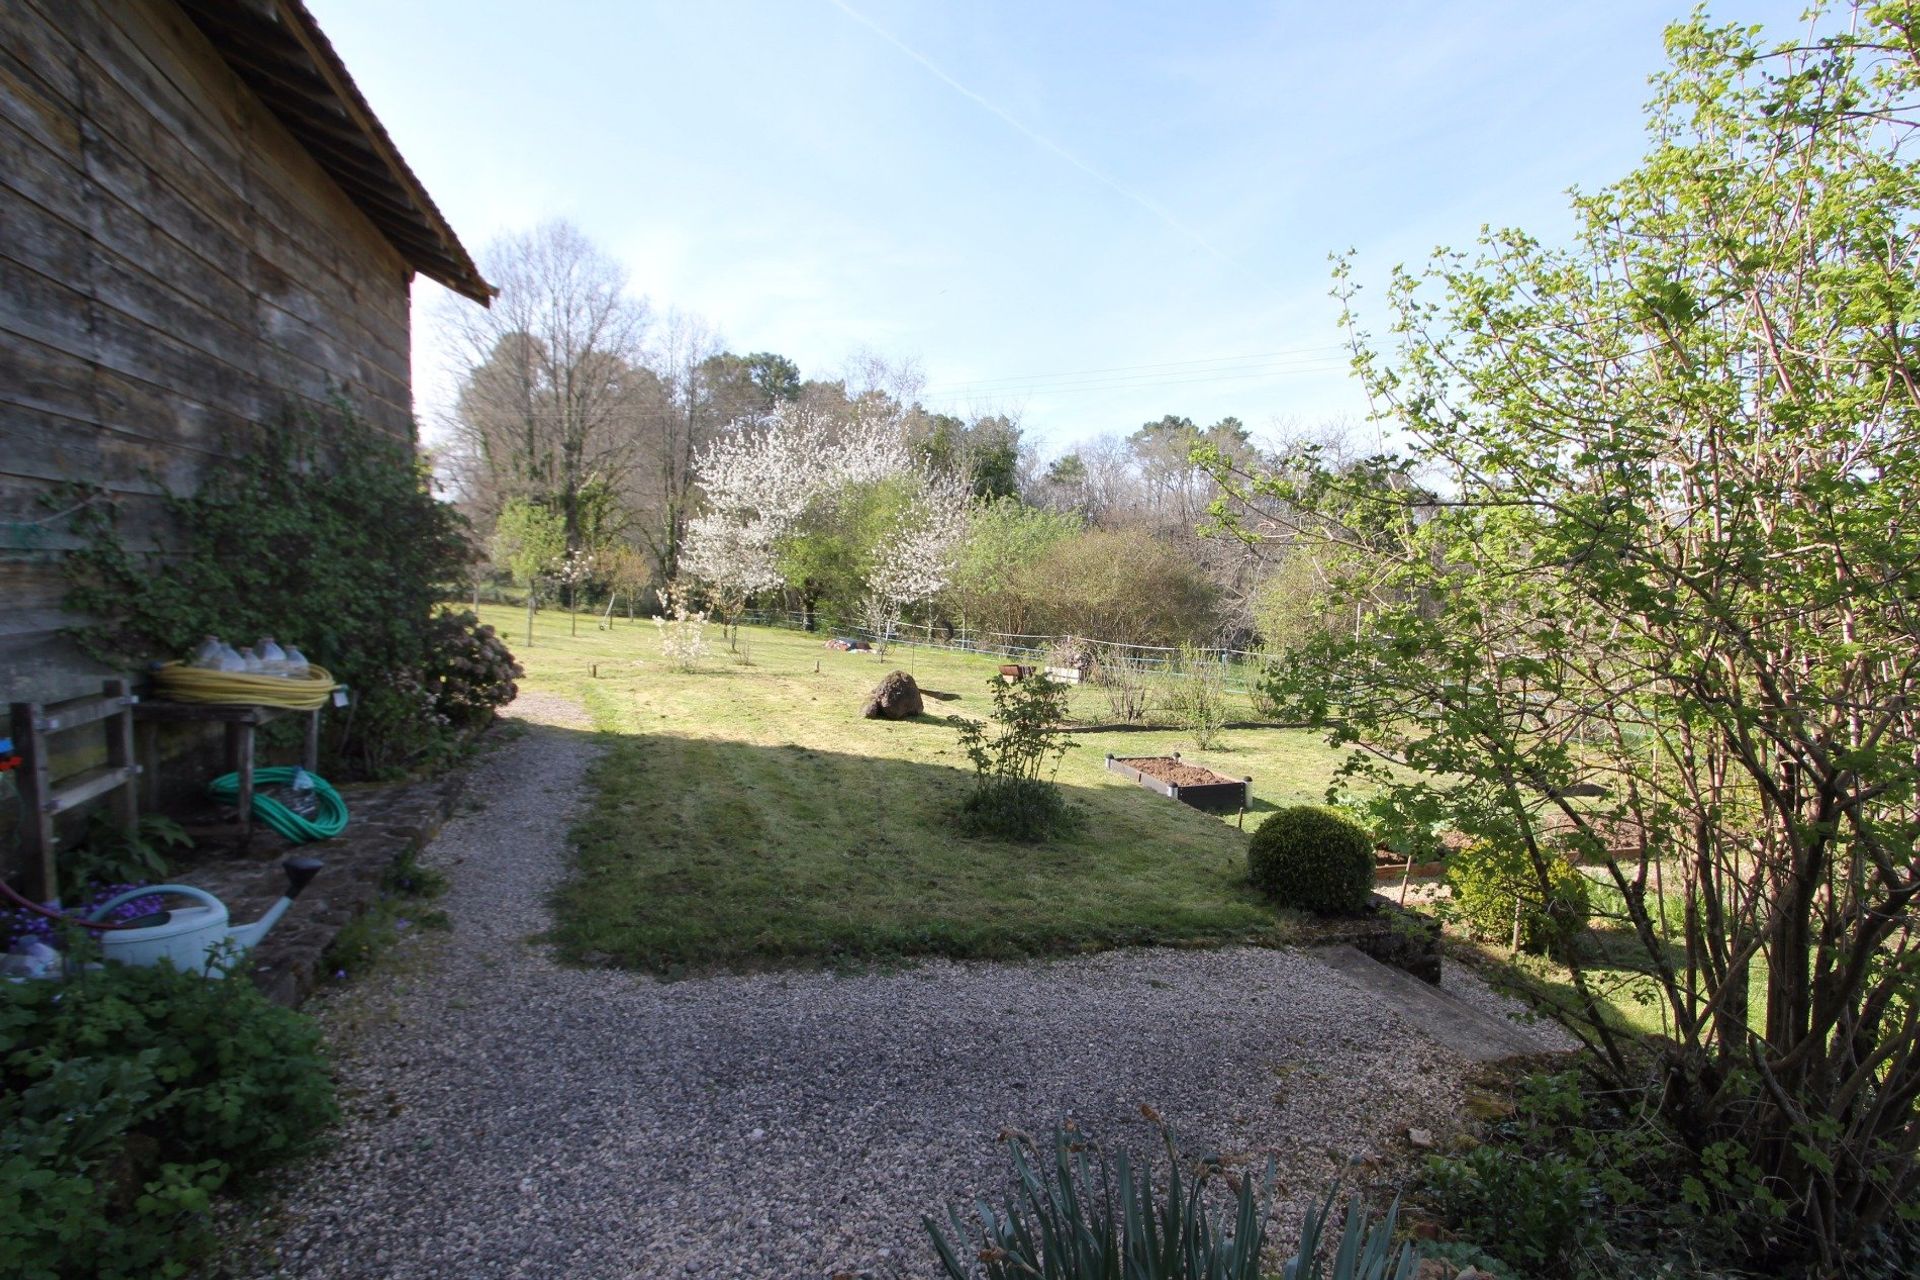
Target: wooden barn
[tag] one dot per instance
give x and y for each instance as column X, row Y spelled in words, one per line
column 203, row 228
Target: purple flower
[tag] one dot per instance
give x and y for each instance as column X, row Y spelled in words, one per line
column 21, row 923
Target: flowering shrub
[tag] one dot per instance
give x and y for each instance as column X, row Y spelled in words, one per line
column 470, row 671
column 683, row 631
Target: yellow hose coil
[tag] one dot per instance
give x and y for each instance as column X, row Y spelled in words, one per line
column 183, row 683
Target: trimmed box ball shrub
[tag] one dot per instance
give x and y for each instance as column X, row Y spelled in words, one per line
column 1314, row 859
column 1486, row 881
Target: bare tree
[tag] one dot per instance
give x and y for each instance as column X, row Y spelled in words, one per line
column 1108, row 494
column 681, row 416
column 867, row 373
column 550, row 381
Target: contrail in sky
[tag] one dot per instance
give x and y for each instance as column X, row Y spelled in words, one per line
column 1153, row 207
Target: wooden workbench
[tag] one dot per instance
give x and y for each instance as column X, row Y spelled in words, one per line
column 240, row 719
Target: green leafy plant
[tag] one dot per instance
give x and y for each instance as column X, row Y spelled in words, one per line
column 1578, row 1181
column 322, row 532
column 1533, row 1210
column 1314, row 859
column 1014, row 796
column 1197, row 695
column 407, row 889
column 112, row 855
column 1405, row 819
column 1090, row 1217
column 469, row 669
column 1493, row 886
column 1667, row 566
column 131, row 1095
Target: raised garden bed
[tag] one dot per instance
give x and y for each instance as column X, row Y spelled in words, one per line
column 1388, row 865
column 1186, row 782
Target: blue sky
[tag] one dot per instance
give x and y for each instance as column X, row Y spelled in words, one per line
column 1089, row 214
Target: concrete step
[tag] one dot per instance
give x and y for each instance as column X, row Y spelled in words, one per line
column 1442, row 1017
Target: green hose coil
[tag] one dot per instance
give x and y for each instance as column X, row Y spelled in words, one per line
column 329, row 822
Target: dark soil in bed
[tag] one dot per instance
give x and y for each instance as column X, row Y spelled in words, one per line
column 1178, row 772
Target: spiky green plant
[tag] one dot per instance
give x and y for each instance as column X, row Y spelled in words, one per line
column 1365, row 1252
column 1096, row 1219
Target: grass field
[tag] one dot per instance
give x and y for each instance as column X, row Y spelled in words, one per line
column 744, row 813
column 1617, row 970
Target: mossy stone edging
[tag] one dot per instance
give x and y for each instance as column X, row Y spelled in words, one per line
column 1385, row 931
column 386, row 823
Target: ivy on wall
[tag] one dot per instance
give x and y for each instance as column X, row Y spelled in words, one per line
column 324, row 533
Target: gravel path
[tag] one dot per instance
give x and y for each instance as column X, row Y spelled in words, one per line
column 508, row 1117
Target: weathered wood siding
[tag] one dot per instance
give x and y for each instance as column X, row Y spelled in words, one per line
column 176, row 274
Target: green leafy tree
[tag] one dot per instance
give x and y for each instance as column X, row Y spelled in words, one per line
column 1662, row 617
column 531, row 541
column 1066, row 472
column 1122, row 586
column 1004, row 538
column 830, row 552
column 985, row 453
column 1329, row 572
column 750, row 384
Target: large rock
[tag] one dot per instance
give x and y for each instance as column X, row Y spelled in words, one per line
column 895, row 698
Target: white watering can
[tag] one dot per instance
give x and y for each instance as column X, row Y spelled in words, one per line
column 194, row 937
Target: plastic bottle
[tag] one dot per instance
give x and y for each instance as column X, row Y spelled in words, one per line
column 301, row 797
column 297, row 663
column 273, row 659
column 250, row 662
column 230, row 659
column 30, row 958
column 207, row 656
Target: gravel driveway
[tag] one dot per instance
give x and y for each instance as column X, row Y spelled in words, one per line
column 509, row 1117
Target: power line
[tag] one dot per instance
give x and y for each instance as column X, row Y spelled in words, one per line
column 1148, row 383
column 1225, row 361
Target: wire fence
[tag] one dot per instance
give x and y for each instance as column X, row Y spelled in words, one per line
column 1240, row 668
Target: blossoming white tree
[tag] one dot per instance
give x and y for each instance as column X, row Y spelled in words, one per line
column 914, row 562
column 764, row 480
column 758, row 480
column 576, row 568
column 734, row 556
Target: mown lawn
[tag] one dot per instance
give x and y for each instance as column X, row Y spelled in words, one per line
column 1631, row 1000
column 745, row 814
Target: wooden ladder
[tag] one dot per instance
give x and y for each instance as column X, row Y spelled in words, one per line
column 41, row 800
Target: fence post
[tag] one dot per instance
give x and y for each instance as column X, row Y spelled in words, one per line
column 41, row 883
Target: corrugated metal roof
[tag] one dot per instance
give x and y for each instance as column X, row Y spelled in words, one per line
column 279, row 51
